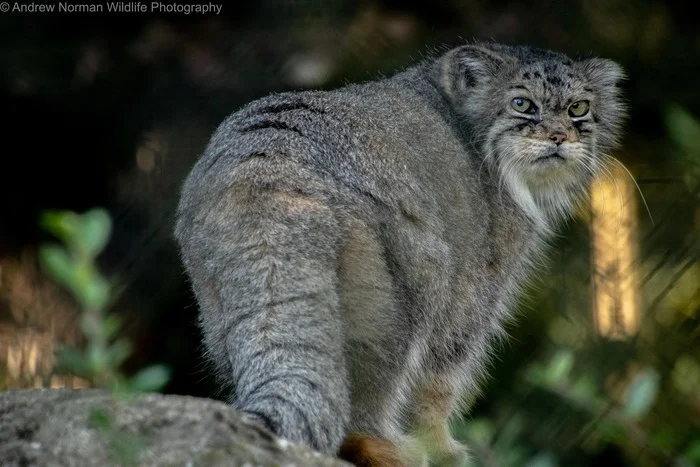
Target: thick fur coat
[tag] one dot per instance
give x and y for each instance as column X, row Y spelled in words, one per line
column 355, row 252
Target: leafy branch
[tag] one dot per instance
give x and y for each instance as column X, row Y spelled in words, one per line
column 73, row 265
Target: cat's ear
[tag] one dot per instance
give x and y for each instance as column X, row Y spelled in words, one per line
column 603, row 72
column 467, row 66
column 477, row 64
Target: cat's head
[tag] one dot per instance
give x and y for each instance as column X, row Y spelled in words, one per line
column 543, row 121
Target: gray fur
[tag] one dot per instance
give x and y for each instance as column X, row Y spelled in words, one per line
column 355, row 252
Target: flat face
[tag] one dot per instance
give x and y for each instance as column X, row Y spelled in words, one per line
column 548, row 117
column 543, row 120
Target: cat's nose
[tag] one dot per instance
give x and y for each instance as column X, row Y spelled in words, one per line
column 558, row 137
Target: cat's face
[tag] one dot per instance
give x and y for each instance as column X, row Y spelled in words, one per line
column 553, row 121
column 544, row 122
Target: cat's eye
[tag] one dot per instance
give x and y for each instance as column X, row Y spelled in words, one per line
column 579, row 108
column 523, row 105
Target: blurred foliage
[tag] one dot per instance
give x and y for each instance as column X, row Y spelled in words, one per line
column 684, row 131
column 72, row 264
column 625, row 424
column 615, row 423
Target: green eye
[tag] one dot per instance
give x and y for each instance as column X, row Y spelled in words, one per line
column 523, row 105
column 579, row 109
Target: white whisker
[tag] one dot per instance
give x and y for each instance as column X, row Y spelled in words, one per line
column 635, row 184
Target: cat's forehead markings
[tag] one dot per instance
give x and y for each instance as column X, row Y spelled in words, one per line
column 550, row 68
column 554, row 80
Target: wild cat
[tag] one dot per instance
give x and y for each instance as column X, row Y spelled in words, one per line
column 355, row 252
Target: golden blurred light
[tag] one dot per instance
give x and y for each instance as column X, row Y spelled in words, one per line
column 616, row 301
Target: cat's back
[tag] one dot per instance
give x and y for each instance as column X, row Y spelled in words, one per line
column 382, row 137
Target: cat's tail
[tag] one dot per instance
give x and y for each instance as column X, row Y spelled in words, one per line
column 261, row 253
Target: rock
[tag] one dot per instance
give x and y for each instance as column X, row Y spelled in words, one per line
column 88, row 427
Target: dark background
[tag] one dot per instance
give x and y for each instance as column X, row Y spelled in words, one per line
column 112, row 110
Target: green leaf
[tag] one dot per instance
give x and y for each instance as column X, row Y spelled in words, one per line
column 150, row 379
column 73, row 361
column 91, row 289
column 560, row 366
column 111, row 326
column 641, row 393
column 63, row 224
column 58, row 264
column 94, row 232
column 118, row 352
column 683, row 129
column 97, row 359
column 95, row 293
column 584, row 388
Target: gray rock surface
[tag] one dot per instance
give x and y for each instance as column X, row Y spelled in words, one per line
column 57, row 427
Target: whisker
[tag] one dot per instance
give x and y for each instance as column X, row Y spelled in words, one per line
column 635, row 184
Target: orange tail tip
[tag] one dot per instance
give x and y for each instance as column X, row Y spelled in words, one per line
column 366, row 451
